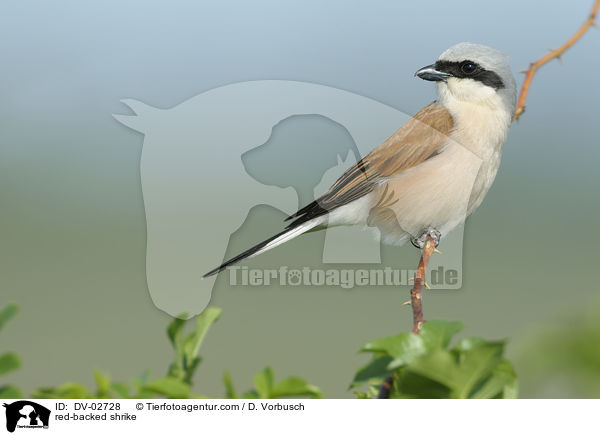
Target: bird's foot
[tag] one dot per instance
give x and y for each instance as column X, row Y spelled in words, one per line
column 419, row 242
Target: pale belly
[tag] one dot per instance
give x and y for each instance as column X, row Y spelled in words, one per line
column 439, row 193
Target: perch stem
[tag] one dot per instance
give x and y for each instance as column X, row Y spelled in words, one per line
column 416, row 303
column 416, row 298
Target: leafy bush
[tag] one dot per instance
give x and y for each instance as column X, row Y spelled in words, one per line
column 265, row 387
column 423, row 366
column 177, row 384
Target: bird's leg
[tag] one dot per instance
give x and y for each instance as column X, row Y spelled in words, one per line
column 419, row 242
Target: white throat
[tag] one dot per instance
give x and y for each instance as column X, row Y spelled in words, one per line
column 481, row 115
column 481, row 123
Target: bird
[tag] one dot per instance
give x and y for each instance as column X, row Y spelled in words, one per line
column 430, row 174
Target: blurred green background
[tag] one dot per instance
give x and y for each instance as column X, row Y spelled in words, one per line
column 72, row 224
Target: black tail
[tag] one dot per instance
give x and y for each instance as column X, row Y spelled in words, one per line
column 253, row 250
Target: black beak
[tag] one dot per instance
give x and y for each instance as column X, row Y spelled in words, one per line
column 430, row 73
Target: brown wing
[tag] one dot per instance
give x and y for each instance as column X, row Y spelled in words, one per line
column 413, row 143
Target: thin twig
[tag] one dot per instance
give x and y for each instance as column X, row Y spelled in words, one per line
column 416, row 303
column 554, row 54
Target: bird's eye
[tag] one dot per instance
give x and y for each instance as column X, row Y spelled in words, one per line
column 468, row 67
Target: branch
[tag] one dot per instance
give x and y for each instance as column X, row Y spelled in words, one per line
column 416, row 303
column 554, row 54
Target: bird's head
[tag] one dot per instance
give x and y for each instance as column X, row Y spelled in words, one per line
column 473, row 73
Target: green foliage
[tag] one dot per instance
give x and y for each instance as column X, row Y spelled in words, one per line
column 8, row 313
column 9, row 361
column 425, row 367
column 187, row 348
column 170, row 387
column 265, row 387
column 69, row 390
column 177, row 384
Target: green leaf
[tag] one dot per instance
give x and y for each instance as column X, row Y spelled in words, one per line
column 251, row 394
column 190, row 369
column 438, row 365
column 402, row 348
column 459, row 370
column 476, row 364
column 10, row 392
column 175, row 331
column 192, row 343
column 69, row 390
column 171, row 388
column 103, row 385
column 9, row 362
column 186, row 349
column 7, row 313
column 229, row 388
column 438, row 333
column 410, row 385
column 501, row 384
column 139, row 382
column 511, row 390
column 470, row 343
column 121, row 388
column 295, row 387
column 263, row 381
column 377, row 368
column 373, row 387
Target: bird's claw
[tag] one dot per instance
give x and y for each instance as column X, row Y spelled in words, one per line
column 419, row 242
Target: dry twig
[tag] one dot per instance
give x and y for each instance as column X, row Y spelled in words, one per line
column 554, row 54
